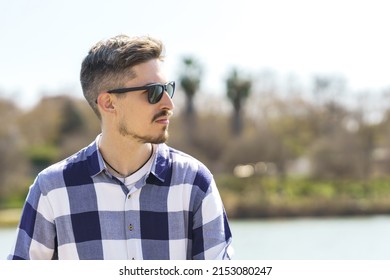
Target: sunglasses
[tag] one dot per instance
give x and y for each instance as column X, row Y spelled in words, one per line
column 155, row 91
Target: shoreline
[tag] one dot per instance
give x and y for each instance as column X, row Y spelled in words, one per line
column 10, row 217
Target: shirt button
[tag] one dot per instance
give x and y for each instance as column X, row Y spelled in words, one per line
column 129, row 196
column 130, row 227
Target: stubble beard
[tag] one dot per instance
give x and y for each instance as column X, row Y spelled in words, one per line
column 143, row 139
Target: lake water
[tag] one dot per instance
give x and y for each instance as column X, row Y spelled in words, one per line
column 366, row 238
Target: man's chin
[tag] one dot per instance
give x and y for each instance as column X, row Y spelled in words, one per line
column 158, row 140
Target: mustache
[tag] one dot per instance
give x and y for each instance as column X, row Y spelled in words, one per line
column 163, row 113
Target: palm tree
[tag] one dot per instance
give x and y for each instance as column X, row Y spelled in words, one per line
column 190, row 81
column 238, row 89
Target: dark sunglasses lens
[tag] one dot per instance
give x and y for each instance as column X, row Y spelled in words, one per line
column 155, row 93
column 171, row 89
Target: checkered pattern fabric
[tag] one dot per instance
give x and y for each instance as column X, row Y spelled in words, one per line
column 76, row 210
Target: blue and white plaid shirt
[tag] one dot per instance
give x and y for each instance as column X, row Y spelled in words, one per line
column 76, row 210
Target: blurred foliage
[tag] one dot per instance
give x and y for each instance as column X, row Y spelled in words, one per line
column 256, row 197
column 304, row 156
column 237, row 89
column 190, row 81
column 42, row 156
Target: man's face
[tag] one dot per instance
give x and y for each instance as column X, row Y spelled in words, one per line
column 137, row 118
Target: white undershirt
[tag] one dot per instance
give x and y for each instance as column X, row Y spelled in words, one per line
column 130, row 180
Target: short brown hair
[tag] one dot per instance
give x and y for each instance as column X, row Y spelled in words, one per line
column 109, row 62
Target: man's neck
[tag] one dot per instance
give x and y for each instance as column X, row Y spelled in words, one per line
column 122, row 155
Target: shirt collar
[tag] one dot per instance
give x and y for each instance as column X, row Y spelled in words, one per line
column 160, row 166
column 95, row 159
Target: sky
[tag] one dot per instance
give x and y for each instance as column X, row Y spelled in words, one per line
column 43, row 42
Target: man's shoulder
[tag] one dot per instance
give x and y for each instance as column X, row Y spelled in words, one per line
column 55, row 175
column 79, row 157
column 187, row 168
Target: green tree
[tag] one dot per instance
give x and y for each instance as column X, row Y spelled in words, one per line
column 190, row 82
column 13, row 166
column 51, row 128
column 238, row 90
column 71, row 119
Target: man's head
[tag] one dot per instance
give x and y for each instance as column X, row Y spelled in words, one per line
column 109, row 64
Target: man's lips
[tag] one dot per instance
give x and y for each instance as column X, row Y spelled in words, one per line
column 162, row 121
column 162, row 117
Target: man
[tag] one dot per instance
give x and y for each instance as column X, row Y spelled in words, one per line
column 127, row 195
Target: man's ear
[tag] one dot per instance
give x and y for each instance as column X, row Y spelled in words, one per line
column 105, row 102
